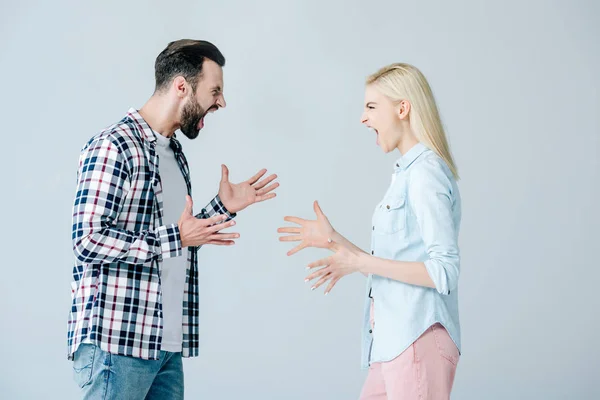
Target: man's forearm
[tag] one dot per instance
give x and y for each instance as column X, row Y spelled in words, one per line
column 214, row 207
column 100, row 194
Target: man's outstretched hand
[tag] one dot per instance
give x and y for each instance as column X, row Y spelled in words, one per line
column 238, row 196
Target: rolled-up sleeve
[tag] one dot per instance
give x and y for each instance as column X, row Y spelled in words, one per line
column 431, row 200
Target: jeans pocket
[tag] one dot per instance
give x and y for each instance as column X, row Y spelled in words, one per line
column 445, row 345
column 83, row 364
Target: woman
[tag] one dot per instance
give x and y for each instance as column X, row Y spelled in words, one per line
column 411, row 336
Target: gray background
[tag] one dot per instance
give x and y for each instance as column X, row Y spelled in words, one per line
column 517, row 85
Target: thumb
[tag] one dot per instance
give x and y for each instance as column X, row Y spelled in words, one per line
column 224, row 173
column 189, row 205
column 317, row 209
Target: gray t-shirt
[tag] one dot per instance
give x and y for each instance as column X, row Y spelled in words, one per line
column 173, row 271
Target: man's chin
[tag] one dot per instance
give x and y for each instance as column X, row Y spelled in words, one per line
column 191, row 134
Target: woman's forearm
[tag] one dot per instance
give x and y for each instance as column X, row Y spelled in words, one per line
column 413, row 273
column 337, row 237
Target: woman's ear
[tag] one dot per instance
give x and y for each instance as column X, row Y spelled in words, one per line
column 403, row 109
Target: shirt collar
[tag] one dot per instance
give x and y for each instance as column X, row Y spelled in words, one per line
column 411, row 155
column 142, row 124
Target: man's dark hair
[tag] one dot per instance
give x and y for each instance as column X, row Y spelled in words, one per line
column 184, row 57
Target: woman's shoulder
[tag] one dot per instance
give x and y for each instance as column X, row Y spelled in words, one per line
column 430, row 165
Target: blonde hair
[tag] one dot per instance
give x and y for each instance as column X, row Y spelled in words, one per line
column 401, row 81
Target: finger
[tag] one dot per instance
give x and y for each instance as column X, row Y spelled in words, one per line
column 221, row 242
column 317, row 274
column 296, row 249
column 295, row 220
column 332, row 284
column 321, row 262
column 224, row 173
column 223, row 236
column 256, row 177
column 218, row 227
column 264, row 182
column 267, row 189
column 294, row 238
column 215, row 219
column 321, row 281
column 265, row 197
column 288, row 230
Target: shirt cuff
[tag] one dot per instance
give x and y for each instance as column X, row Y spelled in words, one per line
column 438, row 276
column 170, row 241
column 216, row 207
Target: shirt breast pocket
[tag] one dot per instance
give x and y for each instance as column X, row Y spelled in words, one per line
column 391, row 215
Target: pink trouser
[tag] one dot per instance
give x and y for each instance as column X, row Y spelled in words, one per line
column 423, row 371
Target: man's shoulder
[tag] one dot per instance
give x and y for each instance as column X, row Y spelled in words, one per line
column 123, row 134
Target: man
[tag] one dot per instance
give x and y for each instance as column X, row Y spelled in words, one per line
column 134, row 311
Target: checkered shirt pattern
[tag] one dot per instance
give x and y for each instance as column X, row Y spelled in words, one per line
column 119, row 242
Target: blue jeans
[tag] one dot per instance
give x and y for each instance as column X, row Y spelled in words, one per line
column 102, row 375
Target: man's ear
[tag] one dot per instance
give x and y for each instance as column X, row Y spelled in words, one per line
column 180, row 86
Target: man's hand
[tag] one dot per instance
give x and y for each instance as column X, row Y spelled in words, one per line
column 195, row 231
column 238, row 196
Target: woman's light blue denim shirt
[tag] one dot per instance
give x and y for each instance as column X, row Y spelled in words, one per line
column 417, row 220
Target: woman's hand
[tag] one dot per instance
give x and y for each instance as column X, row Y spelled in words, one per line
column 311, row 233
column 343, row 262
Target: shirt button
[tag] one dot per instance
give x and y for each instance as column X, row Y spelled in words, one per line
column 370, row 330
column 373, row 227
column 388, row 206
column 372, row 252
column 397, row 165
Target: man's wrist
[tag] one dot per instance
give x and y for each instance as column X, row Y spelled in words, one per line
column 224, row 208
column 180, row 235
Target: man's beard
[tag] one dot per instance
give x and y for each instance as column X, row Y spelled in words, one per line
column 191, row 115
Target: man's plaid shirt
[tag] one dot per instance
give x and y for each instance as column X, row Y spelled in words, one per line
column 119, row 241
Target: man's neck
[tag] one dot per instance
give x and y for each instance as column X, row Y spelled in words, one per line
column 160, row 115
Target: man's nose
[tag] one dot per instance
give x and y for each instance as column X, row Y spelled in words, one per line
column 221, row 102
